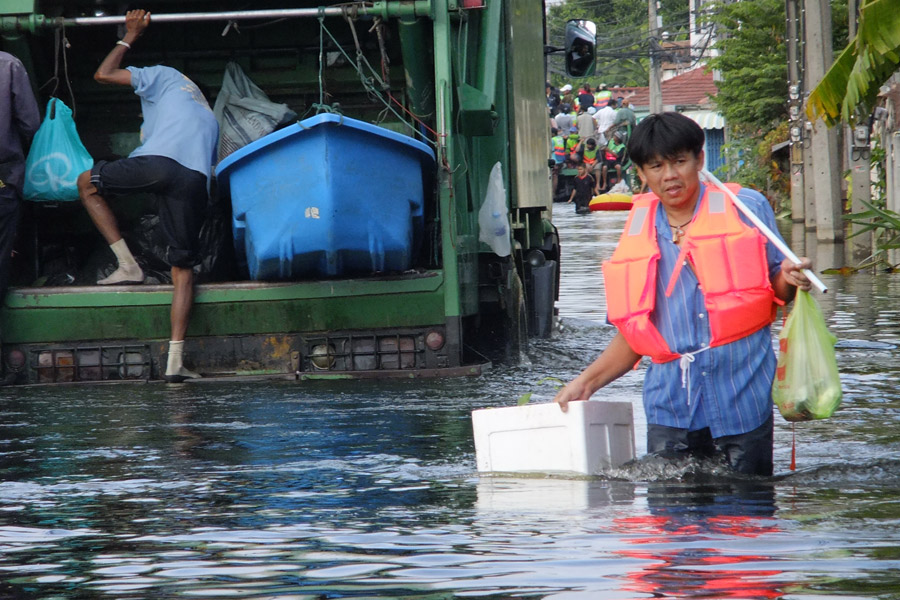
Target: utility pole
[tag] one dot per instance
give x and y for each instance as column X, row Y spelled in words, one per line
column 824, row 142
column 859, row 153
column 809, row 182
column 795, row 106
column 656, row 103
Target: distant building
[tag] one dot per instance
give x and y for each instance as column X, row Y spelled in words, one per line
column 676, row 58
column 702, row 35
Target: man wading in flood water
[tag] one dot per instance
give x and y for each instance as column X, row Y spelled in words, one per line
column 703, row 321
column 174, row 163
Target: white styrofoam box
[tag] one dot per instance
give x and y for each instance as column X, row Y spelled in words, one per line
column 540, row 438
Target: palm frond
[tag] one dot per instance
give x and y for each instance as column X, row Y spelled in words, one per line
column 868, row 61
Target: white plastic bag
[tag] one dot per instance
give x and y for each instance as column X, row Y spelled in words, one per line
column 244, row 112
column 493, row 217
column 620, row 188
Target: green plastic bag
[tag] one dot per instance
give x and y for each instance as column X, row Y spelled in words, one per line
column 807, row 385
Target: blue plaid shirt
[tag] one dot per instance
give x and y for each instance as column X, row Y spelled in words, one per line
column 731, row 385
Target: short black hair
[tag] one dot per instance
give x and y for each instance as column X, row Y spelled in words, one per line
column 591, row 142
column 664, row 135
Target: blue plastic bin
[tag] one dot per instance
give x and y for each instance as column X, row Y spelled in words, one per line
column 329, row 196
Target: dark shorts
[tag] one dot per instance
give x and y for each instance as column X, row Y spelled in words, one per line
column 749, row 453
column 180, row 192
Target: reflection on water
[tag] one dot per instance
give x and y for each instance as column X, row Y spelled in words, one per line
column 369, row 489
column 825, row 255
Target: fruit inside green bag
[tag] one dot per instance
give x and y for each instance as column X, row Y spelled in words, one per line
column 807, row 384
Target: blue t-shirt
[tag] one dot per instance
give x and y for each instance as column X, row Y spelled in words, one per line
column 730, row 385
column 178, row 122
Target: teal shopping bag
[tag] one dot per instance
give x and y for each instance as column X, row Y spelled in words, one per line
column 57, row 157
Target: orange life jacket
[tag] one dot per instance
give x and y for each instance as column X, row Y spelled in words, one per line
column 559, row 146
column 727, row 255
column 602, row 99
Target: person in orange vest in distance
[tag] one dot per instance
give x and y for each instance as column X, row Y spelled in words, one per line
column 572, row 142
column 694, row 286
column 592, row 156
column 602, row 97
column 558, row 154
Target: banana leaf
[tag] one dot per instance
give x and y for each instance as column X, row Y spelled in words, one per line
column 851, row 85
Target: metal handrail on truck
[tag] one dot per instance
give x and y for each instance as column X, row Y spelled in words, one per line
column 383, row 9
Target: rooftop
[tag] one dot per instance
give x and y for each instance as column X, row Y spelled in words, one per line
column 692, row 88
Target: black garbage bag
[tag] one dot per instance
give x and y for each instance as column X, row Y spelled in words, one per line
column 216, row 253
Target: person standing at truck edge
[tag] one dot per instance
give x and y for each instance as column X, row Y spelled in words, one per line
column 602, row 97
column 703, row 321
column 605, row 118
column 587, row 127
column 19, row 121
column 572, row 147
column 566, row 96
column 174, row 163
column 585, row 98
column 564, row 119
column 558, row 154
column 591, row 155
column 624, row 122
column 553, row 99
column 614, row 159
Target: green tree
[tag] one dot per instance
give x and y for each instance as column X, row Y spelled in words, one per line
column 752, row 93
column 851, row 85
column 849, row 90
column 623, row 45
column 753, row 62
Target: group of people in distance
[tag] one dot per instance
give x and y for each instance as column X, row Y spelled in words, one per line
column 589, row 133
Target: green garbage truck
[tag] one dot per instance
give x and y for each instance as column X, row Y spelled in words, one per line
column 465, row 78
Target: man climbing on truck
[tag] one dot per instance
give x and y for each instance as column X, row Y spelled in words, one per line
column 173, row 162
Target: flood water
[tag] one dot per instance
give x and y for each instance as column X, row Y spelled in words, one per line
column 368, row 489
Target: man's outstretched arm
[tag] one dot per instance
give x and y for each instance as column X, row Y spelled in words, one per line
column 110, row 71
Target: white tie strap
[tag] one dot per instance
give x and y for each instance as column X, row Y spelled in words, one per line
column 685, row 364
